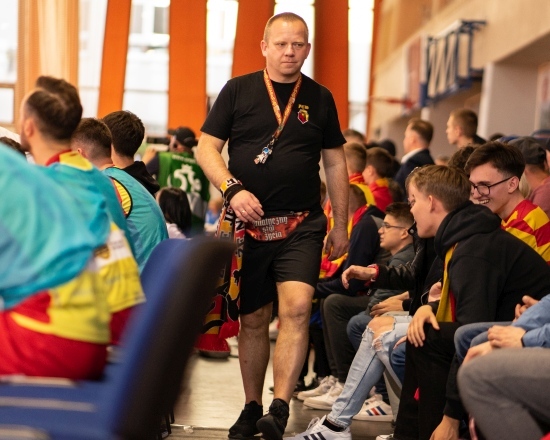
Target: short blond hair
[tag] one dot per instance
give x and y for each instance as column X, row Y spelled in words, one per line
column 289, row 17
column 449, row 185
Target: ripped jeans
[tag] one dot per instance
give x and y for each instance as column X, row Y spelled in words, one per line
column 372, row 358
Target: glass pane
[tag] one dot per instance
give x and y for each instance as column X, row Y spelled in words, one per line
column 146, row 82
column 360, row 36
column 150, row 107
column 6, row 108
column 92, row 30
column 8, row 42
column 221, row 25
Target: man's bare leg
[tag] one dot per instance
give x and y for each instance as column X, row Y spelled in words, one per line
column 291, row 347
column 254, row 351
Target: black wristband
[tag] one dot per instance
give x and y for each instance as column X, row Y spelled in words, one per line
column 231, row 191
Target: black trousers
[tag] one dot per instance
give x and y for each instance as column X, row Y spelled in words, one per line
column 426, row 369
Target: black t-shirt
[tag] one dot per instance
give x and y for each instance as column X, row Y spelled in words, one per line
column 289, row 180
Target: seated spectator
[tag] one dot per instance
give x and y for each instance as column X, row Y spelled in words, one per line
column 416, row 144
column 495, row 170
column 377, row 174
column 127, row 132
column 356, row 156
column 352, row 135
column 396, row 239
column 90, row 136
column 500, row 268
column 512, row 404
column 144, row 218
column 50, row 116
column 54, row 318
column 356, row 160
column 536, row 171
column 178, row 167
column 460, row 157
column 177, row 212
column 389, row 146
column 462, row 128
column 364, row 246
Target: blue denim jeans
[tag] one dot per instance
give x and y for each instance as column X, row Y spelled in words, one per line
column 470, row 335
column 371, row 359
column 356, row 327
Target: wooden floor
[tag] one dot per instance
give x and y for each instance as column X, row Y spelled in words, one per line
column 212, row 400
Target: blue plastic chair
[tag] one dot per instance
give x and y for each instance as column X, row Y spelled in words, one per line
column 179, row 281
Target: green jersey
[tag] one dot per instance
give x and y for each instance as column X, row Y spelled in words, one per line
column 180, row 170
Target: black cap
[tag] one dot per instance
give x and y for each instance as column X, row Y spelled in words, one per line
column 185, row 136
column 532, row 150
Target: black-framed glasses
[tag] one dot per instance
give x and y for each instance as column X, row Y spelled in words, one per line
column 388, row 226
column 485, row 190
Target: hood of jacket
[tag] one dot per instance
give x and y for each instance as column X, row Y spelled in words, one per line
column 139, row 172
column 462, row 223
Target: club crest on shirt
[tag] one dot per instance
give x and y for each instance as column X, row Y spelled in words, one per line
column 303, row 115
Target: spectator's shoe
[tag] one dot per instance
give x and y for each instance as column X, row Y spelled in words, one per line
column 324, row 386
column 273, row 424
column 300, row 386
column 326, row 400
column 316, row 430
column 245, row 426
column 386, row 437
column 375, row 410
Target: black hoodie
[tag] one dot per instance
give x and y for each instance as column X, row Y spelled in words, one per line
column 490, row 269
column 489, row 272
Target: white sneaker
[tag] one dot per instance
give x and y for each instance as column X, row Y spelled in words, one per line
column 324, row 386
column 326, row 400
column 375, row 410
column 385, row 437
column 316, row 427
column 274, row 329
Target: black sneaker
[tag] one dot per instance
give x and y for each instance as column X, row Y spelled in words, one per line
column 273, row 424
column 245, row 426
column 301, row 386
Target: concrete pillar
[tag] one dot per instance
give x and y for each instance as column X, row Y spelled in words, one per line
column 508, row 99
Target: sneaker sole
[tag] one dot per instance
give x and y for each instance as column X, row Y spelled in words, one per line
column 302, row 397
column 367, row 418
column 318, row 405
column 268, row 430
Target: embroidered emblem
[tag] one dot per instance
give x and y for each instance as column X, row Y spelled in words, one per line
column 303, row 115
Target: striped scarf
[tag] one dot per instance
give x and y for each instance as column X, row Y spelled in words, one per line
column 446, row 312
column 222, row 321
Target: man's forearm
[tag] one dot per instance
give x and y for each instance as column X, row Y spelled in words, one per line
column 210, row 160
column 337, row 185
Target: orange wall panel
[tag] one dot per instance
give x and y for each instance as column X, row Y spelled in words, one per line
column 187, row 98
column 331, row 52
column 115, row 52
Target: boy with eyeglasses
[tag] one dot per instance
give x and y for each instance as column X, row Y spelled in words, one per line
column 495, row 170
column 486, row 274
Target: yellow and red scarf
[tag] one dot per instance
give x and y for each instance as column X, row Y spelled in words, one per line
column 222, row 321
column 446, row 312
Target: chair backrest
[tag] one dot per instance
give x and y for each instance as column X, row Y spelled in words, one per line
column 179, row 282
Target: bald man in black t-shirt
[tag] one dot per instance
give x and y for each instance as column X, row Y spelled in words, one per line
column 279, row 123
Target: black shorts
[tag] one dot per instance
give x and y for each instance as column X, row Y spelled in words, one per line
column 296, row 258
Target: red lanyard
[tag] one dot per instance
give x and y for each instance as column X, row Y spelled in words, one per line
column 281, row 120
